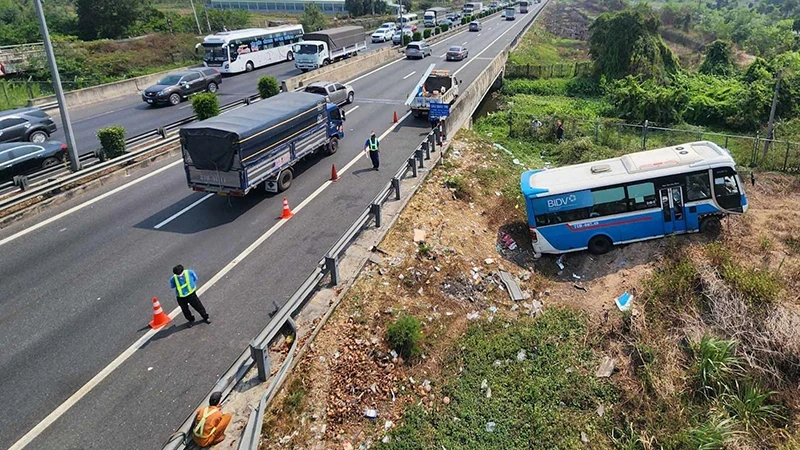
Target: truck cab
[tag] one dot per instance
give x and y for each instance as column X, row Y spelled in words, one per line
column 310, row 55
column 436, row 86
column 509, row 13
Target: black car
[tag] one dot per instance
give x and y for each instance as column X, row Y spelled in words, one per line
column 175, row 87
column 17, row 158
column 26, row 124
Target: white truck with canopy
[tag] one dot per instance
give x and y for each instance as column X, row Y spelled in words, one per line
column 324, row 47
column 435, row 86
column 433, row 15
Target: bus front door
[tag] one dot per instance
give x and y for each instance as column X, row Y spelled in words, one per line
column 672, row 210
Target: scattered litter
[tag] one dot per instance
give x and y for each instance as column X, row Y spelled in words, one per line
column 393, row 397
column 401, row 276
column 437, row 268
column 473, row 315
column 606, row 368
column 498, row 193
column 601, row 410
column 493, row 309
column 489, row 393
column 576, row 276
column 623, row 263
column 503, row 149
column 393, row 353
column 419, row 291
column 386, row 440
column 411, row 380
column 488, row 261
column 484, row 384
column 419, row 235
column 498, row 363
column 507, row 241
column 569, row 369
column 516, row 162
column 511, row 286
column 448, row 313
column 490, row 427
column 547, row 292
column 584, row 438
column 579, row 287
column 426, row 383
column 514, row 307
column 521, row 355
column 388, row 425
column 149, row 369
column 624, row 301
column 446, row 400
column 374, row 388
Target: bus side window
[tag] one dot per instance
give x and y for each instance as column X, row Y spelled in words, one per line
column 642, row 196
column 726, row 191
column 697, row 187
column 609, row 201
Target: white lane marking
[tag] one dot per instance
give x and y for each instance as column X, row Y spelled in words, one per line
column 119, row 360
column 479, row 35
column 465, row 42
column 352, row 109
column 486, row 48
column 443, row 55
column 189, row 105
column 412, row 73
column 181, row 212
column 77, row 208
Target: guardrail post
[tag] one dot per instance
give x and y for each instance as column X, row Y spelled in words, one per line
column 431, row 141
column 375, row 210
column 443, row 125
column 412, row 164
column 396, row 187
column 21, row 181
column 419, row 156
column 333, row 267
column 261, row 357
column 162, row 132
column 247, row 100
column 427, row 149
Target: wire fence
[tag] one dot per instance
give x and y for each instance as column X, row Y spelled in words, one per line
column 15, row 94
column 751, row 151
column 533, row 71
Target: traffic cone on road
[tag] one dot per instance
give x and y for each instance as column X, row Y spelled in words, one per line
column 159, row 318
column 287, row 213
column 395, row 117
column 334, row 174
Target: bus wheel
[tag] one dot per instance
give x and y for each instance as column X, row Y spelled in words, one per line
column 289, row 56
column 284, row 180
column 711, row 226
column 599, row 245
column 249, row 66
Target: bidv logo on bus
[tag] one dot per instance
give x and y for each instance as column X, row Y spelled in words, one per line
column 561, row 202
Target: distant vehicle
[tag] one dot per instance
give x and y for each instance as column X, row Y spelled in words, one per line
column 494, row 4
column 26, row 124
column 408, row 19
column 456, row 53
column 418, row 49
column 383, row 34
column 19, row 158
column 399, row 35
column 324, row 47
column 245, row 50
column 435, row 86
column 335, row 92
column 447, row 22
column 258, row 145
column 176, row 87
column 509, row 13
column 472, row 8
column 645, row 195
column 523, row 7
column 432, row 16
column 475, row 26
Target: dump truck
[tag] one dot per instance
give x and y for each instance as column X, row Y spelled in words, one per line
column 435, row 86
column 257, row 145
column 324, row 47
column 433, row 16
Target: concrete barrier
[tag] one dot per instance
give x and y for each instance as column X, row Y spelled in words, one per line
column 106, row 91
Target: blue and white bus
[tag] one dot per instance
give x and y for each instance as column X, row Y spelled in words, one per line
column 645, row 195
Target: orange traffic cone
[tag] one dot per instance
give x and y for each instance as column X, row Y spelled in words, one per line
column 395, row 117
column 159, row 318
column 287, row 213
column 334, row 174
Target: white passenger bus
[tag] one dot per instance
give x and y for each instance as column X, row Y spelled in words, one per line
column 407, row 19
column 244, row 50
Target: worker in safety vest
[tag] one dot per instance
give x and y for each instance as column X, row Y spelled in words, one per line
column 185, row 284
column 210, row 423
column 372, row 147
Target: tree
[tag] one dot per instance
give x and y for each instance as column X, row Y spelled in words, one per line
column 268, row 87
column 205, row 105
column 107, row 19
column 313, row 18
column 719, row 59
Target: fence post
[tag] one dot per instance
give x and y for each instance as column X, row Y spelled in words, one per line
column 30, row 90
column 575, row 74
column 418, row 155
column 596, row 132
column 510, row 123
column 427, row 149
column 375, row 210
column 5, row 92
column 431, row 140
column 644, row 135
column 726, row 141
column 528, row 70
column 396, row 187
column 754, row 156
column 333, row 268
column 786, row 157
column 412, row 164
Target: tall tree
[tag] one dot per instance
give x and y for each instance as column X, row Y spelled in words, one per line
column 313, row 18
column 719, row 59
column 107, row 19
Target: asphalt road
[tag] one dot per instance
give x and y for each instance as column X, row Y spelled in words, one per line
column 76, row 292
column 138, row 117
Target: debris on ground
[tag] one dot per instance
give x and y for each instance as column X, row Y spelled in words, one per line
column 511, row 286
column 560, row 262
column 419, row 235
column 507, row 241
column 490, row 427
column 624, row 302
column 606, row 367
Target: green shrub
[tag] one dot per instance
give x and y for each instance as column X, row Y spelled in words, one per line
column 444, row 27
column 542, row 87
column 463, row 21
column 716, row 366
column 750, row 406
column 112, row 140
column 427, row 33
column 437, row 30
column 583, row 86
column 417, row 36
column 205, row 105
column 712, row 435
column 405, row 39
column 757, row 286
column 405, row 336
column 268, row 87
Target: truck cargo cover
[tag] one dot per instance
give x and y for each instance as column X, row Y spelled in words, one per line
column 338, row 38
column 213, row 143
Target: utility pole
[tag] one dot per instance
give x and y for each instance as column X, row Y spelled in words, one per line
column 199, row 30
column 208, row 22
column 72, row 150
column 771, row 124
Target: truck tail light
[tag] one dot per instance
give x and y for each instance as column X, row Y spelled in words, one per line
column 63, row 146
column 534, row 236
column 198, row 189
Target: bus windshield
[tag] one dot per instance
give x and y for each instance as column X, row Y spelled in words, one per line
column 306, row 49
column 215, row 53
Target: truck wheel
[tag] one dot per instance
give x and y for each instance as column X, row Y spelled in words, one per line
column 325, row 63
column 332, row 146
column 212, row 87
column 289, row 56
column 599, row 245
column 284, row 180
column 249, row 66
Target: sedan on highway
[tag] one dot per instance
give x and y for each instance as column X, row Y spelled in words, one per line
column 406, row 31
column 26, row 124
column 383, row 34
column 176, row 87
column 447, row 22
column 335, row 92
column 418, row 49
column 18, row 158
column 475, row 26
column 456, row 53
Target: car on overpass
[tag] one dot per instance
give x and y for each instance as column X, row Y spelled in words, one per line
column 26, row 124
column 335, row 92
column 176, row 87
column 19, row 158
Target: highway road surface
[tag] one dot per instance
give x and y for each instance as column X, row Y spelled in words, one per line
column 138, row 117
column 77, row 280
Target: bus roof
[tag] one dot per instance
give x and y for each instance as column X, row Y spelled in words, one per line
column 225, row 36
column 437, row 9
column 627, row 168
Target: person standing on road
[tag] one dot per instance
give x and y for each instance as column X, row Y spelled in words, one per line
column 372, row 147
column 185, row 284
column 210, row 423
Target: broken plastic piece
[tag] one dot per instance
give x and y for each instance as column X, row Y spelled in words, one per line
column 624, row 301
column 490, row 427
column 371, row 413
column 560, row 262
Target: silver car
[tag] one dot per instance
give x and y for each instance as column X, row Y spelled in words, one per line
column 335, row 92
column 418, row 49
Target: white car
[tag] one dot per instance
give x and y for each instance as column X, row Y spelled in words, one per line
column 383, row 34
